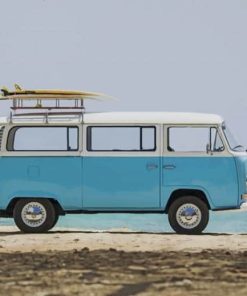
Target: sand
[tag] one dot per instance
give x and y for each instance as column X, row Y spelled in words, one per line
column 59, row 239
column 118, row 263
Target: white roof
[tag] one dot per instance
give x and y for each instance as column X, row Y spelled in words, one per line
column 124, row 118
column 152, row 117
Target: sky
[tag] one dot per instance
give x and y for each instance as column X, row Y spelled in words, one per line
column 152, row 55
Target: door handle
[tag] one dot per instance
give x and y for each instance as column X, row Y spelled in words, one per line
column 151, row 166
column 169, row 166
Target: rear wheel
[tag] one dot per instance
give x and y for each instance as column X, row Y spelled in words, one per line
column 188, row 215
column 34, row 215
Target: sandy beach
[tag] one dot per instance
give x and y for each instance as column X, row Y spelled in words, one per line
column 62, row 239
column 118, row 262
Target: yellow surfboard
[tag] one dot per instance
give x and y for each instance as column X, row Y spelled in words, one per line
column 31, row 94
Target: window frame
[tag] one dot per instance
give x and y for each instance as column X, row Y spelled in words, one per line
column 213, row 142
column 17, row 127
column 89, row 137
column 209, row 126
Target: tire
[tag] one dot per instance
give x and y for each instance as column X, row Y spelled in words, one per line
column 55, row 221
column 34, row 215
column 188, row 215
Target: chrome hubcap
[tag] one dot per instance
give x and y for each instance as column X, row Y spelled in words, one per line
column 33, row 214
column 188, row 216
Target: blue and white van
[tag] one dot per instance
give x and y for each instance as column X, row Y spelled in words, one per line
column 180, row 164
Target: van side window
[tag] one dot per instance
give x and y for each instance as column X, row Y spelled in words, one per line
column 121, row 138
column 34, row 138
column 194, row 139
column 216, row 143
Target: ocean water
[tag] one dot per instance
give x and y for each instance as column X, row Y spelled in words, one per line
column 219, row 222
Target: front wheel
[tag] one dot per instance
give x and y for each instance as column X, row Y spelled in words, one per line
column 188, row 215
column 34, row 215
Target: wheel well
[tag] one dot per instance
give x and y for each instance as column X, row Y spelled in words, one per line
column 10, row 208
column 183, row 192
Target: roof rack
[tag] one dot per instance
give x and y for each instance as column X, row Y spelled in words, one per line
column 48, row 117
column 46, row 102
column 19, row 103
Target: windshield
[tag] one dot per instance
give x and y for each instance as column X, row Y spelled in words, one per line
column 233, row 143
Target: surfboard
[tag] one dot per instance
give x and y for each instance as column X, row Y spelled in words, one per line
column 51, row 96
column 30, row 94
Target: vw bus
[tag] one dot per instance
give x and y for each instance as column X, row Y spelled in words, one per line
column 180, row 164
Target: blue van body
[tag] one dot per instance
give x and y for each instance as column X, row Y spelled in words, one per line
column 121, row 183
column 87, row 181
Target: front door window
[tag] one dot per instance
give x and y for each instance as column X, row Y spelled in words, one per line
column 194, row 139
